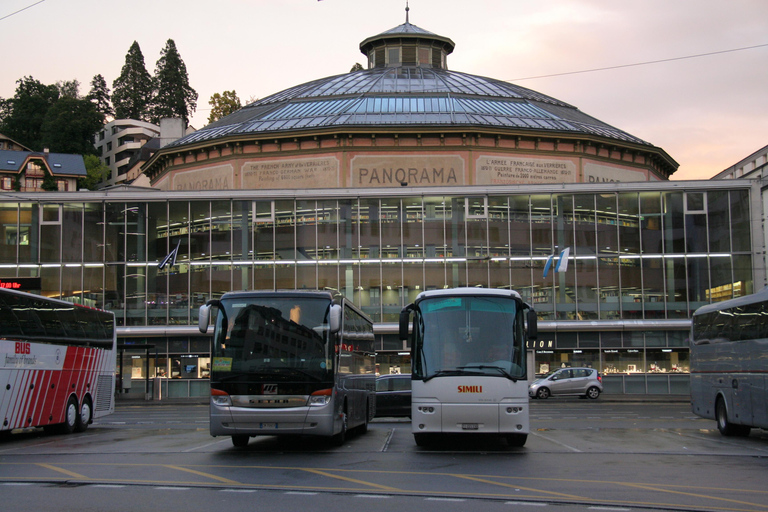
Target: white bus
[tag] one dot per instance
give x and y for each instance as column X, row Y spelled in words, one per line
column 289, row 363
column 58, row 363
column 729, row 363
column 469, row 363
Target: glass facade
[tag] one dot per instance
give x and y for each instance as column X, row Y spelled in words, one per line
column 634, row 256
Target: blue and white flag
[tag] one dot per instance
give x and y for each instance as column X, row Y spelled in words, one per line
column 562, row 262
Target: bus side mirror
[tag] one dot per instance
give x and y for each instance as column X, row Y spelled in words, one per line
column 533, row 325
column 335, row 318
column 405, row 317
column 204, row 318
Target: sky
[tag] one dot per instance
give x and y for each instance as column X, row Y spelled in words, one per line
column 706, row 112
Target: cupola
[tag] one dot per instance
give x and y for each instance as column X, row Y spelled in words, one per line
column 407, row 45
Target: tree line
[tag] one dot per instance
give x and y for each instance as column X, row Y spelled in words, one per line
column 59, row 118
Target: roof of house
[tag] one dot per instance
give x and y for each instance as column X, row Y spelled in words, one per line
column 60, row 164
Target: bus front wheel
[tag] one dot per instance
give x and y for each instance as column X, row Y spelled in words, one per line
column 725, row 427
column 240, row 440
column 338, row 439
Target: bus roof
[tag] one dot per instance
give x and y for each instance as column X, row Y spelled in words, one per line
column 761, row 296
column 468, row 292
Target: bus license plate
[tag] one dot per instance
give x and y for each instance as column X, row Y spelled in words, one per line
column 271, row 426
column 469, row 426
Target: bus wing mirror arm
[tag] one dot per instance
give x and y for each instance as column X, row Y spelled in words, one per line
column 405, row 317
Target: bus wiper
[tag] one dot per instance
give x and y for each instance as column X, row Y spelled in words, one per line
column 501, row 370
column 444, row 373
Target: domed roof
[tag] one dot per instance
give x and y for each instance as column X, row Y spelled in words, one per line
column 407, row 85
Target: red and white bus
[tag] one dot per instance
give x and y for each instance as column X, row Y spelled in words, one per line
column 57, row 363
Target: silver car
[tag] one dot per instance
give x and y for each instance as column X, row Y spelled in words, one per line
column 584, row 382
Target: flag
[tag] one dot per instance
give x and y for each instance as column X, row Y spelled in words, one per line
column 547, row 265
column 171, row 258
column 562, row 262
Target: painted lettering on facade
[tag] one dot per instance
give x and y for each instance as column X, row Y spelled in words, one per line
column 502, row 170
column 415, row 170
column 321, row 172
column 210, row 178
column 598, row 173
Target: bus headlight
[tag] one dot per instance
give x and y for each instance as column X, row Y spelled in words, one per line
column 219, row 397
column 320, row 397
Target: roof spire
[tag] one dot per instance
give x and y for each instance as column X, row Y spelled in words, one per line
column 406, row 11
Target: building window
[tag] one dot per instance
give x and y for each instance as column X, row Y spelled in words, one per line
column 6, row 183
column 424, row 57
column 393, row 56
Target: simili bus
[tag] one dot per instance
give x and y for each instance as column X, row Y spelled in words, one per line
column 469, row 363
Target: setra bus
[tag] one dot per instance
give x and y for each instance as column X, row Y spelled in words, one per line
column 58, row 363
column 290, row 363
column 468, row 362
column 729, row 363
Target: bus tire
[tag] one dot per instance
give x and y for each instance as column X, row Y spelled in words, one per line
column 85, row 416
column 240, row 440
column 71, row 415
column 516, row 440
column 725, row 427
column 423, row 440
column 338, row 439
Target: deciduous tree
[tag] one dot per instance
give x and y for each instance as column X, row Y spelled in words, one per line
column 24, row 114
column 223, row 104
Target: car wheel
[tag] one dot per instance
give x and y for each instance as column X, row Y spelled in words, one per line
column 725, row 427
column 542, row 393
column 593, row 392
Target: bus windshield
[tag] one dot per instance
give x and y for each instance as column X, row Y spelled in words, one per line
column 285, row 337
column 469, row 336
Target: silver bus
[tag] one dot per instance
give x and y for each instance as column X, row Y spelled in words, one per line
column 289, row 363
column 469, row 363
column 729, row 363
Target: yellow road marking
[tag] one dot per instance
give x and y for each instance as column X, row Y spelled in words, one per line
column 707, row 496
column 206, row 475
column 493, row 482
column 60, row 470
column 353, row 480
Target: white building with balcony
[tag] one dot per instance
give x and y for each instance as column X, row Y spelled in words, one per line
column 119, row 141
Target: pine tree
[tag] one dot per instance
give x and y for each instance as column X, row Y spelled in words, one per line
column 132, row 96
column 99, row 96
column 174, row 96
